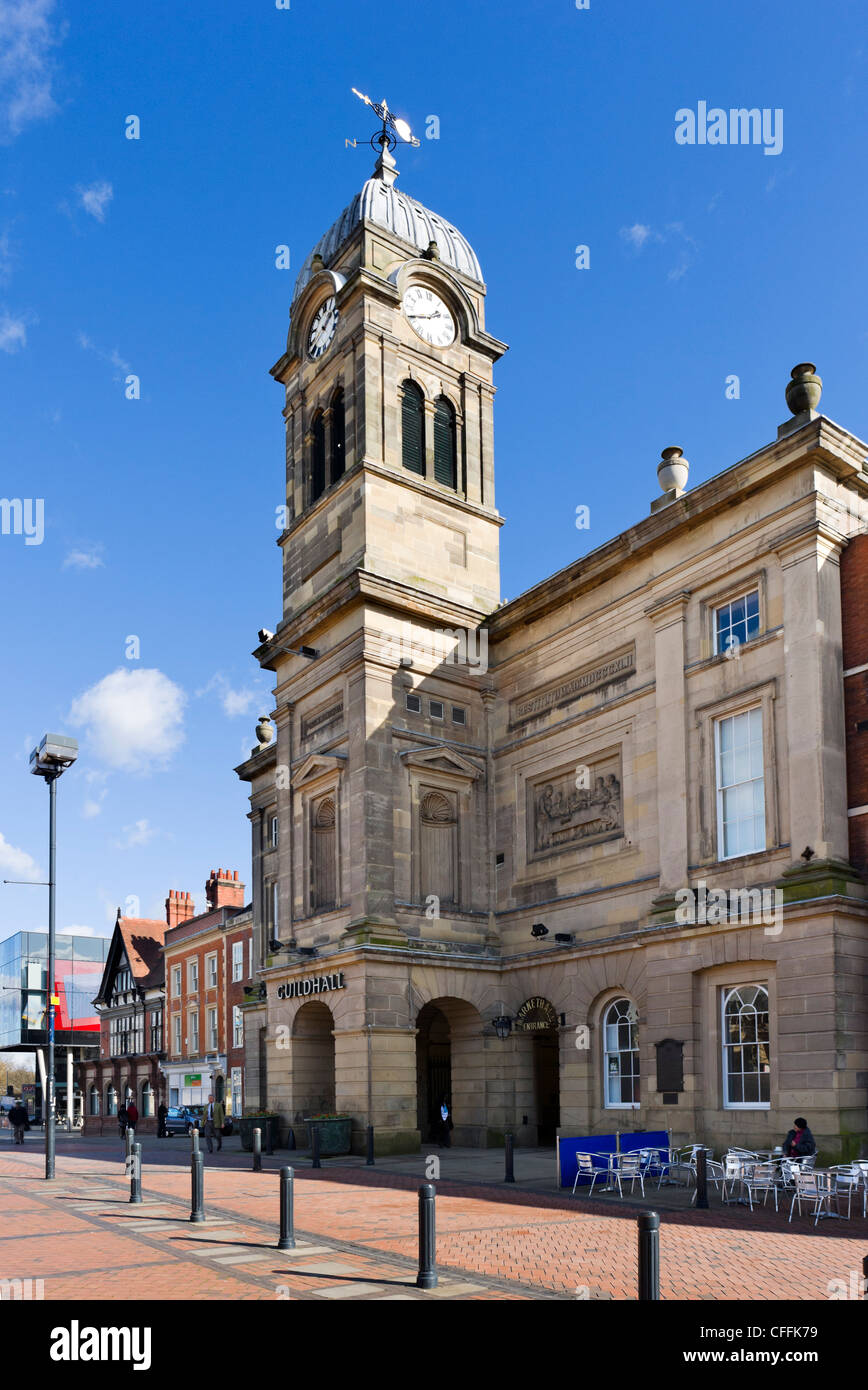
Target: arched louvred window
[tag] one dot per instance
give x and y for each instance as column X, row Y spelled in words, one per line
column 318, row 460
column 338, row 436
column 413, row 428
column 445, row 471
column 324, row 856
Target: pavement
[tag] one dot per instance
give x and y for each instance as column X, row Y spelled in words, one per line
column 356, row 1232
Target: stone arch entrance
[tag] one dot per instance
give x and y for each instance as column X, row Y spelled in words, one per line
column 450, row 1064
column 313, row 1059
column 539, row 1034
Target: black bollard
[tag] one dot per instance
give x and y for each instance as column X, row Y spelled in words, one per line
column 269, row 1136
column 509, row 1142
column 649, row 1257
column 287, row 1222
column 197, row 1178
column 194, row 1141
column 369, row 1161
column 257, row 1150
column 314, row 1143
column 702, row 1180
column 865, row 1276
column 427, row 1276
column 136, row 1175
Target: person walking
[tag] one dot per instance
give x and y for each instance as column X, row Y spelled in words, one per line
column 122, row 1119
column 213, row 1121
column 132, row 1115
column 445, row 1124
column 18, row 1119
column 162, row 1112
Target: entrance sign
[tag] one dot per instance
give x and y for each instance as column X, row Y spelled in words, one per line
column 193, row 1079
column 313, row 984
column 536, row 1015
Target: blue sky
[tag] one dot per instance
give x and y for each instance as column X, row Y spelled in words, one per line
column 156, row 257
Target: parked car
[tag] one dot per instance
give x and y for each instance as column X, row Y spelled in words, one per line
column 181, row 1119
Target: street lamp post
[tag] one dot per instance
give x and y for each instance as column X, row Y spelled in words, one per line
column 48, row 760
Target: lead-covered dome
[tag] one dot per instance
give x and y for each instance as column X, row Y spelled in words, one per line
column 380, row 202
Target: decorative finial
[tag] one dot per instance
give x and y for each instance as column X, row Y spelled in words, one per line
column 672, row 470
column 805, row 389
column 433, row 252
column 394, row 130
column 317, row 264
column 264, row 731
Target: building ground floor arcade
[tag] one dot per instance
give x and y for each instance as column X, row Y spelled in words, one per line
column 719, row 1034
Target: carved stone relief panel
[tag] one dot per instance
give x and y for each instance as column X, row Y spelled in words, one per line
column 575, row 807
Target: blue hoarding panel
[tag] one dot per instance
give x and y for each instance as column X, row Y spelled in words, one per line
column 603, row 1145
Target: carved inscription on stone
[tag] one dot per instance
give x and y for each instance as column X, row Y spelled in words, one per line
column 317, row 721
column 616, row 668
column 572, row 809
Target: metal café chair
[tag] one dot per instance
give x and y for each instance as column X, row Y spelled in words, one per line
column 817, row 1188
column 628, row 1166
column 736, row 1165
column 849, row 1178
column 760, row 1179
column 585, row 1169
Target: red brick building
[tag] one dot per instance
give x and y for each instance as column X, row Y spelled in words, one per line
column 854, row 627
column 207, row 966
column 130, row 1005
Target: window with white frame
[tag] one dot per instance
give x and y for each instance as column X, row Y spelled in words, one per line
column 736, row 622
column 237, row 960
column 746, row 1048
column 176, row 981
column 621, row 1055
column 237, row 1027
column 236, row 1090
column 211, row 968
column 193, row 1035
column 193, row 977
column 212, row 1030
column 741, row 807
column 275, row 832
column 176, row 1035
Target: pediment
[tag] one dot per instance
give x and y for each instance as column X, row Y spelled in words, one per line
column 441, row 760
column 317, row 765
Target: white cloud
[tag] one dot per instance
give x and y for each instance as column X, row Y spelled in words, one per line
column 636, row 235
column 95, row 198
column 139, row 833
column 17, row 862
column 13, row 331
column 234, row 702
column 114, row 357
column 90, row 809
column 26, row 40
column 77, row 930
column 133, row 719
column 84, row 559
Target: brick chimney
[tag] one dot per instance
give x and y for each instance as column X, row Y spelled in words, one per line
column 179, row 907
column 224, row 890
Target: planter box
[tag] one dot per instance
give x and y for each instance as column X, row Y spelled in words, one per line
column 334, row 1135
column 248, row 1123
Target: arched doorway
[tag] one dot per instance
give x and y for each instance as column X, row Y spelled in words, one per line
column 537, row 1021
column 313, row 1060
column 450, row 1066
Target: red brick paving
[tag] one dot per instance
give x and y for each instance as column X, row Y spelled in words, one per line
column 513, row 1245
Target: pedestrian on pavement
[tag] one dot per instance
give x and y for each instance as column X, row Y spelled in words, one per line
column 18, row 1119
column 122, row 1119
column 132, row 1115
column 162, row 1112
column 445, row 1124
column 213, row 1122
column 799, row 1142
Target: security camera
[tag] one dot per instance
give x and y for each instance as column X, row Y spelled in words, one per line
column 265, row 635
column 275, row 945
column 565, row 937
column 539, row 930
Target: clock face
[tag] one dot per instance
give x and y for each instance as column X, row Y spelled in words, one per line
column 429, row 316
column 323, row 328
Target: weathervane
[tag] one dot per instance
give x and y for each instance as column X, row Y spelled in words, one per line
column 394, row 129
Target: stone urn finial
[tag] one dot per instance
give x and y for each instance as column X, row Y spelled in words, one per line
column 264, row 731
column 805, row 389
column 672, row 470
